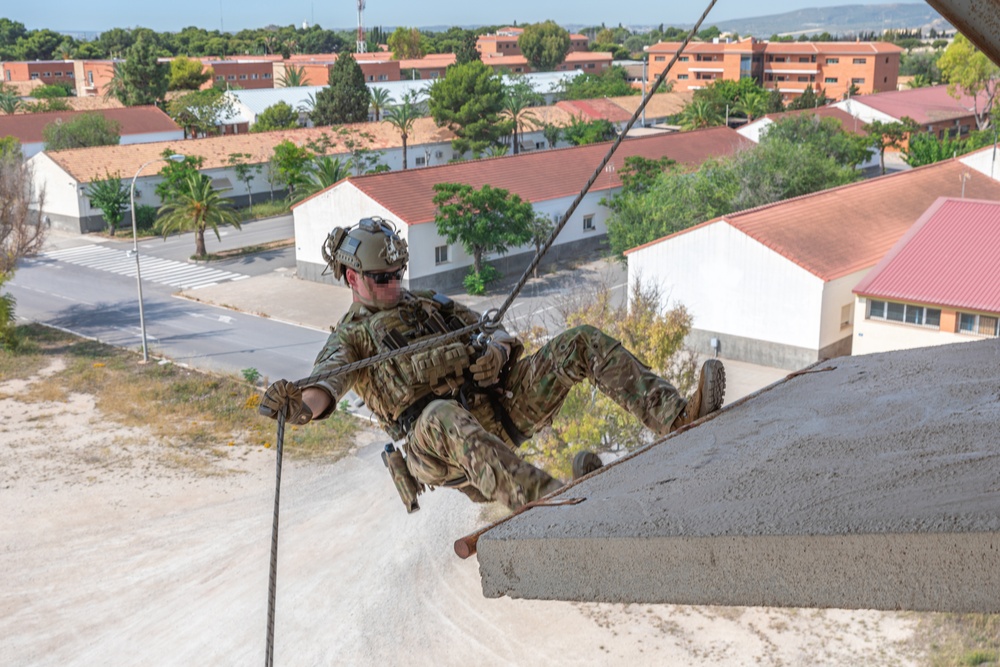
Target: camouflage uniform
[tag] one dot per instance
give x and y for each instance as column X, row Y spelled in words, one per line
column 449, row 444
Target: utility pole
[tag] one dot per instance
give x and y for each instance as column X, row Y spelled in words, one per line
column 362, row 47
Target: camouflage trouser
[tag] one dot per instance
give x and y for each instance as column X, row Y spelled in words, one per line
column 449, row 443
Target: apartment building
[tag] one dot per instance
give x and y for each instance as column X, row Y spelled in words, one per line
column 788, row 67
column 504, row 43
column 580, row 61
column 42, row 71
column 315, row 68
column 247, row 73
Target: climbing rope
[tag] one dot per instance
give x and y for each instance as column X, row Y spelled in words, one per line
column 488, row 323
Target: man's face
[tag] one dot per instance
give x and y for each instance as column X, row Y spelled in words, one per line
column 377, row 289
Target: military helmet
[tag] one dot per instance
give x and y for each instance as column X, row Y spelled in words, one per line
column 371, row 245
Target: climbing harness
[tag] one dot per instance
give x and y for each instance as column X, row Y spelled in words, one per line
column 488, row 324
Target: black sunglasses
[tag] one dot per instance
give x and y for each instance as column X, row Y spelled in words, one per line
column 384, row 278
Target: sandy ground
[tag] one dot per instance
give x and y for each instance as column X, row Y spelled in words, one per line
column 113, row 552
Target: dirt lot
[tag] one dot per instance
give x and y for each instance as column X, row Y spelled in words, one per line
column 115, row 551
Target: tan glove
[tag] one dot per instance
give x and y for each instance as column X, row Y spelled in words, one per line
column 285, row 397
column 486, row 369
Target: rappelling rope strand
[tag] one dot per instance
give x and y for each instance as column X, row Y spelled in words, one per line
column 597, row 172
column 489, row 322
column 272, row 585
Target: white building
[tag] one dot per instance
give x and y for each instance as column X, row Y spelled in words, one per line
column 773, row 285
column 550, row 180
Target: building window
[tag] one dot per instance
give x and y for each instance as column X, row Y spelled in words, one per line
column 830, row 79
column 518, row 69
column 34, row 75
column 588, row 223
column 682, row 59
column 253, row 76
column 231, row 77
column 219, row 78
column 371, row 77
column 90, row 77
column 591, row 65
column 682, row 77
column 980, row 325
column 964, row 129
column 833, row 61
column 804, row 59
column 420, row 161
column 441, row 254
column 858, row 81
column 904, row 312
column 7, row 74
column 70, row 75
column 243, row 77
column 434, row 75
column 539, row 145
column 659, row 59
column 267, row 76
column 47, row 74
column 860, row 61
column 803, row 79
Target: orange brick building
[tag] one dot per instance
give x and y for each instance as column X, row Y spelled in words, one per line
column 45, row 71
column 789, row 67
column 504, row 43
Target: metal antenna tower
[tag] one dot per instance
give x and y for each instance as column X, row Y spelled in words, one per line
column 362, row 48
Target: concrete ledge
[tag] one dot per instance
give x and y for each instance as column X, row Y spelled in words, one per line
column 872, row 485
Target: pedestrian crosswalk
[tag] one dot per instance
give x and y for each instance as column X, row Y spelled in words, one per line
column 154, row 269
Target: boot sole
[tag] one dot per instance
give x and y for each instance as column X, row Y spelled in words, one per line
column 713, row 391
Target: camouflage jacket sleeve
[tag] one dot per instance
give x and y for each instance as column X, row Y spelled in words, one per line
column 340, row 349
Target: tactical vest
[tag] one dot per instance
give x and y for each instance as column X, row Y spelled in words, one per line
column 390, row 387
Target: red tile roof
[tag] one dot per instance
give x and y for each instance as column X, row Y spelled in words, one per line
column 542, row 175
column 949, row 257
column 930, row 104
column 836, row 232
column 594, row 109
column 27, row 128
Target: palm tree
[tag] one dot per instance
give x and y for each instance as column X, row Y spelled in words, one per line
column 116, row 86
column 919, row 81
column 402, row 117
column 516, row 102
column 379, row 100
column 699, row 114
column 293, row 77
column 196, row 207
column 754, row 105
column 9, row 102
column 326, row 171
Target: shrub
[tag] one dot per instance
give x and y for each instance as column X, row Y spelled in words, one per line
column 475, row 283
column 145, row 218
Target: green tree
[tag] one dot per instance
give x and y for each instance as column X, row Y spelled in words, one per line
column 88, row 129
column 143, row 79
column 291, row 164
column 402, row 117
column 883, row 135
column 201, row 113
column 552, row 134
column 754, row 105
column 174, row 175
column 21, row 205
column 112, row 197
column 324, row 172
column 541, row 229
column 582, row 132
column 196, row 206
column 115, row 42
column 187, row 74
column 51, row 90
column 346, row 98
column 926, row 148
column 466, row 51
column 827, row 136
column 487, row 220
column 379, row 100
column 406, row 43
column 698, row 114
column 9, row 101
column 245, row 171
column 469, row 100
column 278, row 116
column 612, row 82
column 810, row 99
column 589, row 420
column 10, row 148
column 293, row 77
column 772, row 171
column 545, row 45
column 969, row 71
column 519, row 97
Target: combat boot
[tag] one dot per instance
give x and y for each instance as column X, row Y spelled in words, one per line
column 708, row 397
column 585, row 463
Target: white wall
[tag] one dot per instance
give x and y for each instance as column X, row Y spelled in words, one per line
column 983, row 162
column 882, row 336
column 837, row 294
column 62, row 195
column 754, row 130
column 732, row 284
column 864, row 112
column 150, row 137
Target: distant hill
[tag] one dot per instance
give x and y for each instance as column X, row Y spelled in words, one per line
column 842, row 20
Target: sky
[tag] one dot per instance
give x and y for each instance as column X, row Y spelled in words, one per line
column 234, row 15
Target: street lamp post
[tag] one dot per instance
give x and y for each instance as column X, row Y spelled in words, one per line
column 135, row 249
